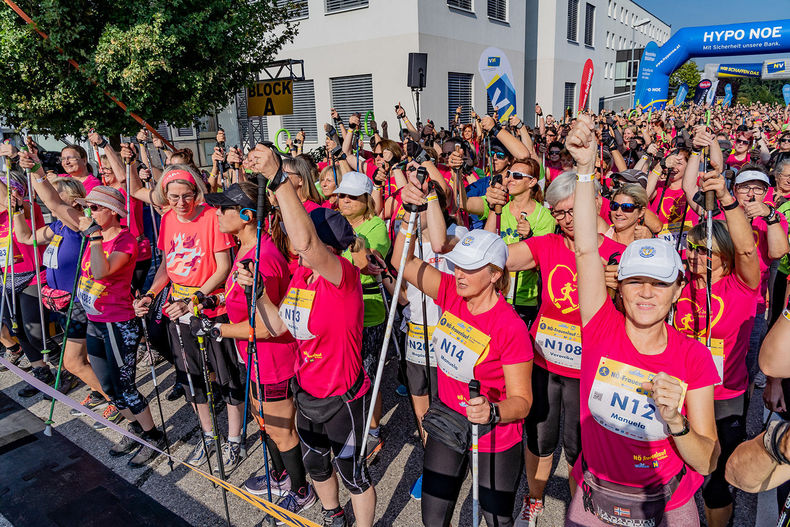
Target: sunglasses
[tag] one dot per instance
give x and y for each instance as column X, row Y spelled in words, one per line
column 499, row 155
column 626, row 207
column 517, row 175
column 742, row 142
column 379, row 154
column 95, row 208
column 349, row 196
column 554, row 152
column 785, row 140
column 696, row 247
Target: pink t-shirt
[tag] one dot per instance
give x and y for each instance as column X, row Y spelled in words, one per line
column 736, row 164
column 310, row 206
column 557, row 328
column 733, row 306
column 509, row 344
column 672, row 206
column 771, row 196
column 330, row 362
column 136, row 228
column 276, row 356
column 109, row 299
column 89, row 182
column 614, row 456
column 24, row 258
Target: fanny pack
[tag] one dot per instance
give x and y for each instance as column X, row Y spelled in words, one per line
column 322, row 409
column 617, row 504
column 55, row 299
column 450, row 427
column 19, row 283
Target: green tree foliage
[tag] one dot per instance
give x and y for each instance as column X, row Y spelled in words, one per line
column 167, row 60
column 687, row 73
column 760, row 90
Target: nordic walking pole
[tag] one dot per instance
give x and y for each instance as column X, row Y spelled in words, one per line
column 69, row 311
column 128, row 167
column 156, row 388
column 425, row 343
column 10, row 252
column 474, row 391
column 387, row 332
column 192, row 393
column 212, row 413
column 98, row 162
column 36, row 258
column 710, row 204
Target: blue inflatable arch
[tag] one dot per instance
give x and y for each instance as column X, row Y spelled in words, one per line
column 658, row 63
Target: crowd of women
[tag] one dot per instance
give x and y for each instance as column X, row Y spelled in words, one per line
column 601, row 284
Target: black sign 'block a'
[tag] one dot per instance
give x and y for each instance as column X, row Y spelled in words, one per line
column 418, row 70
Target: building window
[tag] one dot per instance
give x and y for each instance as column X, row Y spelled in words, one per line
column 589, row 21
column 351, row 94
column 459, row 93
column 570, row 96
column 497, row 10
column 573, row 20
column 334, row 6
column 303, row 117
column 296, row 8
column 466, row 5
column 609, row 12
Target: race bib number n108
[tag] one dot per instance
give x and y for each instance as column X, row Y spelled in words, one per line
column 560, row 342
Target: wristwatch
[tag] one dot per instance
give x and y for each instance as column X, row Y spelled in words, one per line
column 216, row 332
column 277, row 180
column 494, row 417
column 520, row 125
column 772, row 216
column 683, row 432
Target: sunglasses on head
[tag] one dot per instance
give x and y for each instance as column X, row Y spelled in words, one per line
column 517, row 175
column 626, row 207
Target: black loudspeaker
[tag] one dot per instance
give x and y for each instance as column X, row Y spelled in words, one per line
column 418, row 70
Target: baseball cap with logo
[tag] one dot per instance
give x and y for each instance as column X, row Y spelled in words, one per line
column 355, row 184
column 653, row 258
column 751, row 175
column 477, row 249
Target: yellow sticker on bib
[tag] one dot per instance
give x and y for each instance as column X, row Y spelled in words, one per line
column 179, row 292
column 618, row 402
column 415, row 345
column 51, row 254
column 295, row 312
column 717, row 350
column 88, row 292
column 458, row 347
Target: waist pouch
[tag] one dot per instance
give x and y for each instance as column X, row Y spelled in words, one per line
column 617, row 504
column 450, row 427
column 322, row 409
column 19, row 283
column 55, row 299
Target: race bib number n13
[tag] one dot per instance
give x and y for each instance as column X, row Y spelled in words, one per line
column 295, row 312
column 618, row 402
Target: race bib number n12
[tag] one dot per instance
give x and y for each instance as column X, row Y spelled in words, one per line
column 295, row 312
column 618, row 402
column 458, row 347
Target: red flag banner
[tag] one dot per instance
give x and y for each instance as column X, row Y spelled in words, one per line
column 587, row 75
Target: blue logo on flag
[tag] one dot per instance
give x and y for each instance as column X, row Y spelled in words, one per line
column 493, row 62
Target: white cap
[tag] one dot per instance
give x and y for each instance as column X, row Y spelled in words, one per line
column 653, row 257
column 354, row 184
column 477, row 249
column 751, row 175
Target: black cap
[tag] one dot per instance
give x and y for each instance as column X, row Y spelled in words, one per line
column 332, row 228
column 232, row 197
column 497, row 146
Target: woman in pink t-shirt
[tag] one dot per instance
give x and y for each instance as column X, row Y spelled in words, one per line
column 735, row 291
column 104, row 291
column 557, row 338
column 74, row 160
column 275, row 357
column 323, row 310
column 478, row 337
column 647, row 408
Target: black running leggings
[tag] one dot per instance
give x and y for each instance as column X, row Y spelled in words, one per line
column 444, row 471
column 731, row 429
column 29, row 321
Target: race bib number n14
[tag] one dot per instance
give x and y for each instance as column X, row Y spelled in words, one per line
column 618, row 402
column 458, row 347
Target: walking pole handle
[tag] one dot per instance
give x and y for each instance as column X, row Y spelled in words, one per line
column 710, row 200
column 474, row 389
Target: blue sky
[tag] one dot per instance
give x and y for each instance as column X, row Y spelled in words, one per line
column 683, row 13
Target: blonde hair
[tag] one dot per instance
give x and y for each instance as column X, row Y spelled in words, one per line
column 635, row 192
column 198, row 187
column 69, row 186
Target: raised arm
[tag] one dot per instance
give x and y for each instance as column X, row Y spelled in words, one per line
column 44, row 189
column 590, row 271
column 513, row 145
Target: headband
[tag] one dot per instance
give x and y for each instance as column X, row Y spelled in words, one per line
column 175, row 175
column 15, row 185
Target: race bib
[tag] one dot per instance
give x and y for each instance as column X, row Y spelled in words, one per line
column 560, row 343
column 618, row 403
column 717, row 350
column 89, row 293
column 295, row 312
column 670, row 233
column 458, row 347
column 51, row 254
column 179, row 292
column 5, row 255
column 415, row 345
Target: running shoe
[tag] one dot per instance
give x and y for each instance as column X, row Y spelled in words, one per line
column 112, row 414
column 334, row 518
column 92, row 401
column 126, row 444
column 231, row 457
column 67, row 383
column 295, row 502
column 198, row 457
column 528, row 517
column 144, row 454
column 256, row 485
column 176, row 392
column 416, row 489
column 13, row 357
column 374, row 446
column 401, row 391
column 43, row 374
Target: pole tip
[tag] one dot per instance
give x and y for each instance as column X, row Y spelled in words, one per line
column 48, row 430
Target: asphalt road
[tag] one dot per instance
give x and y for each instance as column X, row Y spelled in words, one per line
column 398, row 465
